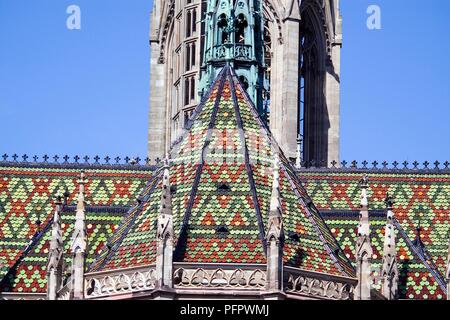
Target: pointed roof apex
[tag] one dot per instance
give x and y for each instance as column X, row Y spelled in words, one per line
column 222, row 163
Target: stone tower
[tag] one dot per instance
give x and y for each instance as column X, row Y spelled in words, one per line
column 234, row 34
column 290, row 52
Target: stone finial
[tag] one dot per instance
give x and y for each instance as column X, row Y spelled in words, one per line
column 275, row 199
column 164, row 258
column 364, row 185
column 299, row 160
column 389, row 269
column 275, row 234
column 166, row 198
column 79, row 243
column 364, row 249
column 55, row 256
column 364, row 225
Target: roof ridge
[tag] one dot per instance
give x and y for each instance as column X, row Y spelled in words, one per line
column 128, row 165
column 326, row 244
column 431, row 267
column 247, row 161
column 99, row 261
column 178, row 253
column 284, row 163
column 33, row 242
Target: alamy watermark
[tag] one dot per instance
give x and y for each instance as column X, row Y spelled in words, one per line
column 74, row 20
column 374, row 19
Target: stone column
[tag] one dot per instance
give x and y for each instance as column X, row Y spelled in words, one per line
column 332, row 93
column 157, row 139
column 285, row 108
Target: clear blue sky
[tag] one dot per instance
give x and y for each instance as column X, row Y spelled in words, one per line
column 86, row 91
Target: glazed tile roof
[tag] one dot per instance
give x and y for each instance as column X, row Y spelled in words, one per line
column 422, row 198
column 221, row 178
column 415, row 279
column 29, row 274
column 26, row 196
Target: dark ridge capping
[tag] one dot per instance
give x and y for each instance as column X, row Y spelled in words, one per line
column 33, row 241
column 127, row 222
column 332, row 253
column 76, row 162
column 394, row 167
column 350, row 213
column 180, row 247
column 422, row 253
column 98, row 209
column 291, row 169
column 248, row 167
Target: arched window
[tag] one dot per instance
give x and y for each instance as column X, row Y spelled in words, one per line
column 223, row 29
column 311, row 96
column 240, row 26
column 244, row 82
column 268, row 68
column 188, row 24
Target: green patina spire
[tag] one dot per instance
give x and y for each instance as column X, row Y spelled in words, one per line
column 234, row 35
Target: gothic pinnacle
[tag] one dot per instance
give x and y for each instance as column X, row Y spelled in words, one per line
column 364, row 249
column 389, row 269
